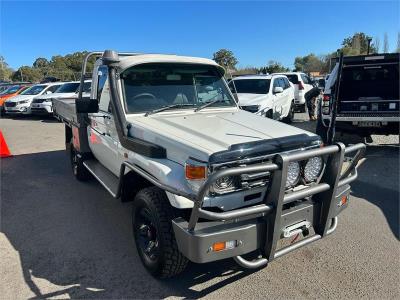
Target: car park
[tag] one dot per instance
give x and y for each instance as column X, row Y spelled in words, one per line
column 9, row 93
column 21, row 103
column 302, row 84
column 367, row 96
column 270, row 96
column 42, row 105
column 209, row 181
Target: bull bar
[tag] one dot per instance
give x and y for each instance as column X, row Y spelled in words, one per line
column 260, row 226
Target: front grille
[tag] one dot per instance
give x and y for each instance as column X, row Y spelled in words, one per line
column 39, row 110
column 372, row 115
column 250, row 108
column 11, row 104
column 38, row 100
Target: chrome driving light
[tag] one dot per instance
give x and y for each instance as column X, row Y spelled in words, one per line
column 224, row 185
column 312, row 169
column 293, row 174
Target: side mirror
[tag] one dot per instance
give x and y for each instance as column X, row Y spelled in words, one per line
column 278, row 90
column 86, row 106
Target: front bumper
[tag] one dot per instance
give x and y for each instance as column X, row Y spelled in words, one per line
column 19, row 109
column 41, row 108
column 261, row 226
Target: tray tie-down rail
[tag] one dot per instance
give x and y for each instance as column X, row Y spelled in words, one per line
column 324, row 192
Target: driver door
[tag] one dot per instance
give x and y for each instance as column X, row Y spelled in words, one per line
column 103, row 140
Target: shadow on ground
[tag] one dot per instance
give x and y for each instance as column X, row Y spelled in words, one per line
column 378, row 182
column 77, row 237
column 41, row 118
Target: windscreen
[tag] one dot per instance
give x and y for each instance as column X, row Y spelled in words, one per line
column 34, row 90
column 68, row 87
column 251, row 86
column 153, row 86
column 370, row 82
column 293, row 78
column 12, row 90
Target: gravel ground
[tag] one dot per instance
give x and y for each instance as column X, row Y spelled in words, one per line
column 60, row 238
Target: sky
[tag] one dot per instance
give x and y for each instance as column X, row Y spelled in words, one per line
column 256, row 32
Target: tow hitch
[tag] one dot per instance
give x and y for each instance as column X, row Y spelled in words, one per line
column 301, row 227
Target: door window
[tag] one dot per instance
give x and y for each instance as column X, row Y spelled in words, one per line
column 53, row 88
column 305, row 79
column 101, row 80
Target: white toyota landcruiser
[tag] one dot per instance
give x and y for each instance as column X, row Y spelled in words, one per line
column 208, row 181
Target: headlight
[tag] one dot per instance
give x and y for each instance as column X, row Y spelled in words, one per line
column 312, row 169
column 23, row 102
column 224, row 185
column 47, row 100
column 293, row 174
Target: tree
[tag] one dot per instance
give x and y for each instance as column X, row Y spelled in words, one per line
column 385, row 43
column 5, row 70
column 26, row 73
column 308, row 63
column 357, row 44
column 377, row 43
column 225, row 58
column 40, row 63
column 274, row 67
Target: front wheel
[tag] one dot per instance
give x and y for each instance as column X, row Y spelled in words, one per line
column 153, row 233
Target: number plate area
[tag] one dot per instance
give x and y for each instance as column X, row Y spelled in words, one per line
column 369, row 124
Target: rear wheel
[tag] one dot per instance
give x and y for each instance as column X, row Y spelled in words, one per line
column 289, row 118
column 153, row 233
column 302, row 108
column 78, row 169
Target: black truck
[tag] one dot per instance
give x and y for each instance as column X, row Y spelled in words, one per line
column 366, row 90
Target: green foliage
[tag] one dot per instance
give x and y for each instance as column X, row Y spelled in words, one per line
column 309, row 63
column 225, row 58
column 26, row 73
column 5, row 70
column 66, row 67
column 358, row 44
column 41, row 63
column 274, row 67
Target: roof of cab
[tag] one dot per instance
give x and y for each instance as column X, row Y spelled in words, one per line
column 130, row 61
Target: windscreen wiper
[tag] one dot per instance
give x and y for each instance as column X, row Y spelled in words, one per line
column 208, row 104
column 166, row 108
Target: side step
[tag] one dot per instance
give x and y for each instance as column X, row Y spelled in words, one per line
column 103, row 175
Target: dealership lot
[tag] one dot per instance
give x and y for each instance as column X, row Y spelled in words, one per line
column 62, row 238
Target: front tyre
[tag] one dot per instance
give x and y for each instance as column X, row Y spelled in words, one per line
column 153, row 233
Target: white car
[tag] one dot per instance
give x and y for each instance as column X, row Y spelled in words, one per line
column 302, row 84
column 42, row 105
column 21, row 104
column 271, row 96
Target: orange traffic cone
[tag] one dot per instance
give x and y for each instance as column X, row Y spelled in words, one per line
column 4, row 151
